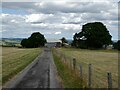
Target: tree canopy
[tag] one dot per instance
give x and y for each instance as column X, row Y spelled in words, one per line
column 117, row 45
column 35, row 40
column 63, row 39
column 93, row 35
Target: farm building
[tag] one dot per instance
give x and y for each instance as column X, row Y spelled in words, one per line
column 108, row 46
column 53, row 43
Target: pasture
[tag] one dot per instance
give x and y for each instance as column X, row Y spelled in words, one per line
column 102, row 61
column 68, row 78
column 16, row 59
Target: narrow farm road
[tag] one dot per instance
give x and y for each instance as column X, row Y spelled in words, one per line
column 42, row 75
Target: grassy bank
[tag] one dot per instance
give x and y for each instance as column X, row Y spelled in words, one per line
column 16, row 59
column 103, row 61
column 68, row 76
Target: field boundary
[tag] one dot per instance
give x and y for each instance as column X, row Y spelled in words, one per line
column 69, row 78
column 87, row 76
column 17, row 78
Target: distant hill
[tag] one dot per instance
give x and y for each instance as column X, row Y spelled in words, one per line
column 11, row 39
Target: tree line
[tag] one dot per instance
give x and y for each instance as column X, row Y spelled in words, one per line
column 92, row 36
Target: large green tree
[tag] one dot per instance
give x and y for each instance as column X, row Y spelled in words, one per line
column 35, row 40
column 93, row 35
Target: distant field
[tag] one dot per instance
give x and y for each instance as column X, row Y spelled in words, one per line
column 15, row 59
column 10, row 42
column 103, row 61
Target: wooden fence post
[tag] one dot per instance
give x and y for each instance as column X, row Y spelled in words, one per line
column 81, row 72
column 74, row 63
column 90, row 76
column 109, row 81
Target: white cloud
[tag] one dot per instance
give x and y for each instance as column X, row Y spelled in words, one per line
column 73, row 34
column 14, row 21
column 33, row 17
column 37, row 17
column 57, row 17
column 41, row 25
column 57, row 33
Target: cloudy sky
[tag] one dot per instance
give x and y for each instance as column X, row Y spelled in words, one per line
column 56, row 19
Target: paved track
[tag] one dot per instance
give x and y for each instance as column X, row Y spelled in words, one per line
column 42, row 75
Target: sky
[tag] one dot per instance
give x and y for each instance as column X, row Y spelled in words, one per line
column 56, row 19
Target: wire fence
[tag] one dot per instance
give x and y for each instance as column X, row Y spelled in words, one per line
column 88, row 72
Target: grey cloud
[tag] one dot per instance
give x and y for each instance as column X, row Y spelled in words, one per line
column 36, row 22
column 51, row 7
column 72, row 23
column 18, row 5
column 74, row 7
column 57, row 17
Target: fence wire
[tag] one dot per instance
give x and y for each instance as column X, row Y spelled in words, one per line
column 98, row 79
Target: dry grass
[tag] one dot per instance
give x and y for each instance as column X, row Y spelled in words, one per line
column 103, row 61
column 16, row 59
column 69, row 79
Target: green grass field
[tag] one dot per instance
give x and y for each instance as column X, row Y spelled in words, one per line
column 103, row 61
column 16, row 59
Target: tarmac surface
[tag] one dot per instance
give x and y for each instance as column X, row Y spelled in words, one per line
column 43, row 74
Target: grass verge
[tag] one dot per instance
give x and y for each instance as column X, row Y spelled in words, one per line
column 68, row 76
column 14, row 60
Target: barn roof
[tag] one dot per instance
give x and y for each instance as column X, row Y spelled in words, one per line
column 53, row 40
